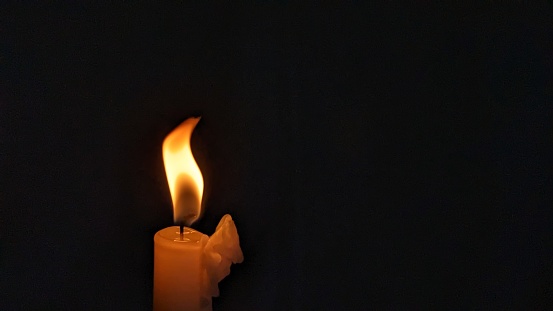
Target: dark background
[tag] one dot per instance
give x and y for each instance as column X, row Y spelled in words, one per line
column 378, row 157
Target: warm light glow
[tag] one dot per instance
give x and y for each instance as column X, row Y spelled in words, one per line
column 183, row 174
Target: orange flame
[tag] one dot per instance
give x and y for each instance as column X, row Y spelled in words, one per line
column 186, row 183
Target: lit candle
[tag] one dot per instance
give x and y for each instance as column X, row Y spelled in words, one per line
column 188, row 264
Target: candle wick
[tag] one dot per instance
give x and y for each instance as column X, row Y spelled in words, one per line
column 181, row 232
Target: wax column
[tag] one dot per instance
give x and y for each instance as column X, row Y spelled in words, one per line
column 179, row 270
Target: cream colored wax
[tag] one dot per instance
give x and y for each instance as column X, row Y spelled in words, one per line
column 178, row 269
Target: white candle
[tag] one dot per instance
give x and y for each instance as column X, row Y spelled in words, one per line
column 178, row 270
column 188, row 264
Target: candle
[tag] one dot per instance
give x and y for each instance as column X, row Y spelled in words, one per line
column 188, row 264
column 178, row 267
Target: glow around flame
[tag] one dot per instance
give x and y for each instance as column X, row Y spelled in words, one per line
column 186, row 183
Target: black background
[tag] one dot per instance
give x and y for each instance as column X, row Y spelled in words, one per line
column 378, row 157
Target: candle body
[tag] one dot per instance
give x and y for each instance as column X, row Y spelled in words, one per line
column 179, row 270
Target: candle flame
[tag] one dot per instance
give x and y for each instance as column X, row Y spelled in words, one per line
column 186, row 183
